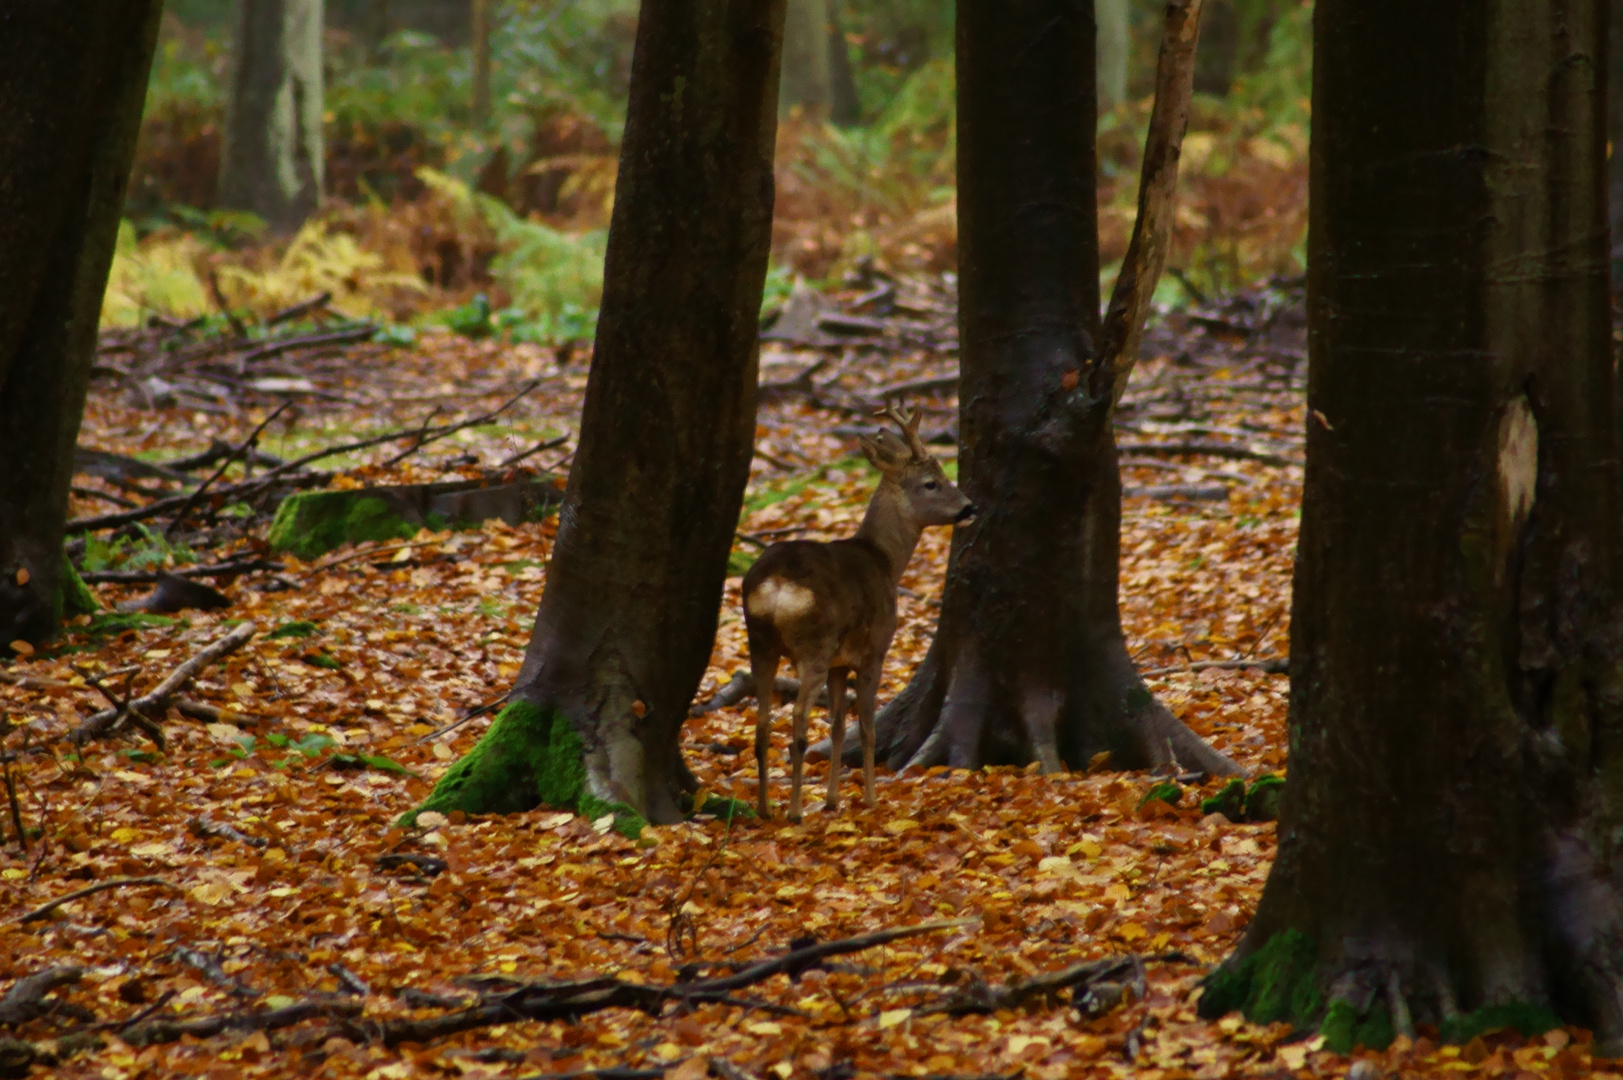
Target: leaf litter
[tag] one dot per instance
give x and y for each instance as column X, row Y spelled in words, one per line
column 252, row 868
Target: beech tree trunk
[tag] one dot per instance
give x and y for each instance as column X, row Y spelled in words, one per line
column 272, row 160
column 629, row 614
column 73, row 78
column 1114, row 50
column 1029, row 662
column 1448, row 845
column 817, row 74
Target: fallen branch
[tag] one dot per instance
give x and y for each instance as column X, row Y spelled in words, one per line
column 1203, row 448
column 231, row 455
column 303, row 307
column 151, row 706
column 1273, row 665
column 1202, row 492
column 309, row 341
column 26, row 998
column 165, row 1030
column 742, row 687
column 89, row 890
column 980, row 997
column 215, row 570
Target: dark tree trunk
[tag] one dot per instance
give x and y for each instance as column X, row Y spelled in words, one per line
column 1219, row 49
column 1448, row 847
column 845, row 106
column 1614, row 127
column 633, row 590
column 272, row 161
column 1029, row 662
column 72, row 81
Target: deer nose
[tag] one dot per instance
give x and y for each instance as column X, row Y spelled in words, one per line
column 966, row 513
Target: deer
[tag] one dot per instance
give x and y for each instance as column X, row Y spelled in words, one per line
column 830, row 608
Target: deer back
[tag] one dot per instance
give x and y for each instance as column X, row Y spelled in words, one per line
column 833, row 601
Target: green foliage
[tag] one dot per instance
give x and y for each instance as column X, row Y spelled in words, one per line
column 312, row 523
column 324, row 660
column 1529, row 1018
column 74, row 597
column 1344, row 1029
column 301, row 628
column 113, row 623
column 1230, row 802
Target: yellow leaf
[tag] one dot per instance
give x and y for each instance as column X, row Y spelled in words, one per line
column 1131, row 931
column 1292, row 1057
column 432, row 819
column 125, row 835
column 1118, row 891
column 763, row 1027
column 242, row 690
column 22, row 648
column 150, row 851
column 898, row 826
column 210, row 892
column 891, row 1017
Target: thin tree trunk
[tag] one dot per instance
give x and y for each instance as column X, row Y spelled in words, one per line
column 1115, row 47
column 481, row 62
column 73, row 79
column 1219, row 49
column 806, row 83
column 629, row 614
column 1448, row 841
column 1029, row 662
column 272, row 160
column 845, row 107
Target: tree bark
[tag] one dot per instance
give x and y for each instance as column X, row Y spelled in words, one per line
column 72, row 82
column 629, row 614
column 1448, row 839
column 481, row 62
column 1114, row 50
column 272, row 160
column 1029, row 662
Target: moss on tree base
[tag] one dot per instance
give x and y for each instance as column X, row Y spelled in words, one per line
column 529, row 757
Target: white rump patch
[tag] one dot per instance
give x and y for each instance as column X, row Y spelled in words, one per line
column 777, row 598
column 1518, row 463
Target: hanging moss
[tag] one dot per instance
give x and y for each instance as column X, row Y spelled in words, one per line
column 74, row 597
column 1277, row 982
column 1230, row 802
column 528, row 758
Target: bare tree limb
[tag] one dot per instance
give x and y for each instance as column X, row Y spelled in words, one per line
column 152, row 704
column 100, row 886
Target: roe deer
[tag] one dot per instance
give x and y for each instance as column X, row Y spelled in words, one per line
column 830, row 608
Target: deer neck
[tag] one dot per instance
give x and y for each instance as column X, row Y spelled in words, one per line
column 890, row 527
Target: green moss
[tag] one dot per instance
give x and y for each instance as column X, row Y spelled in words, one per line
column 110, row 624
column 1230, row 802
column 312, row 523
column 73, row 596
column 529, row 757
column 1344, row 1030
column 1167, row 792
column 722, row 807
column 740, row 561
column 300, row 629
column 1262, row 801
column 1528, row 1018
column 1277, row 982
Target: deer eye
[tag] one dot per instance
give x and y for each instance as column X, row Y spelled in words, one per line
column 930, row 485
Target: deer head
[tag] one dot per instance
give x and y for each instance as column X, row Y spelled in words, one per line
column 922, row 493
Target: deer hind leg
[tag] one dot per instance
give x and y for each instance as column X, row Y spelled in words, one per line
column 811, row 676
column 867, row 694
column 836, row 728
column 764, row 666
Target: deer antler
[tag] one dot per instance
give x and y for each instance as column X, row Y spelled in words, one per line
column 908, row 421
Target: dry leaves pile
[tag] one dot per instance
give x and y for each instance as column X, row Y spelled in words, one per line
column 279, row 881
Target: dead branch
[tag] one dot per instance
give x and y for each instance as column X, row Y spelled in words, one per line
column 1273, row 665
column 165, row 1030
column 231, row 455
column 230, row 568
column 1204, row 448
column 741, row 687
column 544, row 444
column 151, row 706
column 26, row 998
column 202, row 826
column 100, row 886
column 348, row 336
column 1157, row 189
column 303, row 307
column 1202, row 492
column 980, row 997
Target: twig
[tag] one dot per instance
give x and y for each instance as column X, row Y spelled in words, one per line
column 100, row 886
column 981, row 997
column 153, row 703
column 237, row 451
column 213, row 570
column 1273, row 665
column 237, row 329
column 301, row 308
column 347, row 336
column 164, row 1030
column 546, row 444
column 489, row 706
column 414, row 447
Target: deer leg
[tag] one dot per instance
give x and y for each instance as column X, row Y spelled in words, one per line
column 809, row 678
column 867, row 694
column 836, row 727
column 765, row 669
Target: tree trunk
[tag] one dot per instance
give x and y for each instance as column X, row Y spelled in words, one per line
column 1219, row 48
column 1448, row 841
column 629, row 614
column 271, row 163
column 1115, row 47
column 481, row 62
column 1029, row 662
column 806, row 82
column 1614, row 128
column 72, row 82
column 845, row 106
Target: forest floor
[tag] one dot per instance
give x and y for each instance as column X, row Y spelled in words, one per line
column 263, row 833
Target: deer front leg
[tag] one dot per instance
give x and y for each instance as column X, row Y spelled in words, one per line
column 867, row 694
column 765, row 670
column 810, row 678
column 836, row 729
